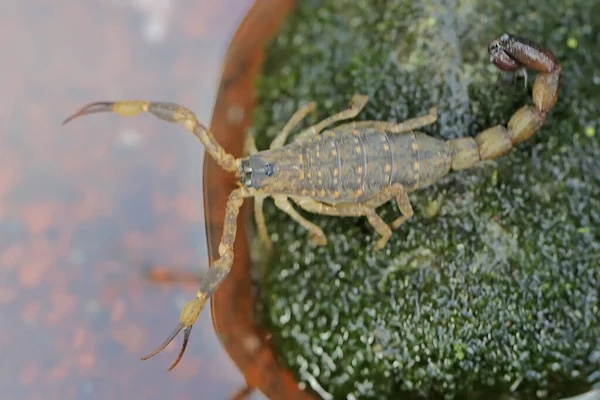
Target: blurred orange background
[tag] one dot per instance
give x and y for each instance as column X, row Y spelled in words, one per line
column 87, row 209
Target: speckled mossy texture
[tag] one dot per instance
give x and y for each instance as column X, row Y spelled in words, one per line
column 492, row 288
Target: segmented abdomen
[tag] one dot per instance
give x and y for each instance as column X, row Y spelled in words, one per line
column 352, row 166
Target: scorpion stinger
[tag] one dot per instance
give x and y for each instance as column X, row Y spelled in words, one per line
column 350, row 169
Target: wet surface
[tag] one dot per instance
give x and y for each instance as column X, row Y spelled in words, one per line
column 87, row 209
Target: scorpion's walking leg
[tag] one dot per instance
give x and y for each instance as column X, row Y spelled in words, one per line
column 259, row 216
column 211, row 280
column 169, row 112
column 350, row 210
column 259, row 199
column 318, row 236
column 358, row 102
column 380, row 226
column 403, row 204
column 292, row 123
column 250, row 146
column 394, row 127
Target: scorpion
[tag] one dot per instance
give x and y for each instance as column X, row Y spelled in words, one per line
column 351, row 169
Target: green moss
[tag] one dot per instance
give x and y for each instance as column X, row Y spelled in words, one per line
column 492, row 287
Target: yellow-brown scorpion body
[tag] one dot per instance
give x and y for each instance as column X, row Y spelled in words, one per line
column 353, row 168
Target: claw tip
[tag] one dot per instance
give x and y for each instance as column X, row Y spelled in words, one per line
column 188, row 318
column 186, row 337
column 164, row 344
column 97, row 107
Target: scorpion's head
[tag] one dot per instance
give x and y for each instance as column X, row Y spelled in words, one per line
column 255, row 171
column 271, row 171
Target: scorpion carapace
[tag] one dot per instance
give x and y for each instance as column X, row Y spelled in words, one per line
column 353, row 168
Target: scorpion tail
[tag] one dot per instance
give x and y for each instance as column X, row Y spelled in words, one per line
column 510, row 53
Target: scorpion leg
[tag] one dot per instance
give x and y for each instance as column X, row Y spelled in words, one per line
column 211, row 280
column 261, row 226
column 367, row 209
column 380, row 226
column 169, row 112
column 394, row 127
column 358, row 102
column 250, row 146
column 402, row 200
column 350, row 210
column 360, row 125
column 291, row 124
column 259, row 200
column 403, row 204
column 284, row 204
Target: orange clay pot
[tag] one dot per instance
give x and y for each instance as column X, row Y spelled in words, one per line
column 233, row 304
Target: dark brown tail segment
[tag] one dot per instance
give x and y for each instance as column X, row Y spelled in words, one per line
column 510, row 53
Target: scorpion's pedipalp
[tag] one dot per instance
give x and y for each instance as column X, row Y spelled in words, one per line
column 186, row 338
column 123, row 108
column 92, row 108
column 166, row 342
column 212, row 279
column 170, row 112
column 189, row 315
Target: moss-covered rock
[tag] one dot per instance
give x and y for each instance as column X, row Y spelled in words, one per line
column 492, row 288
